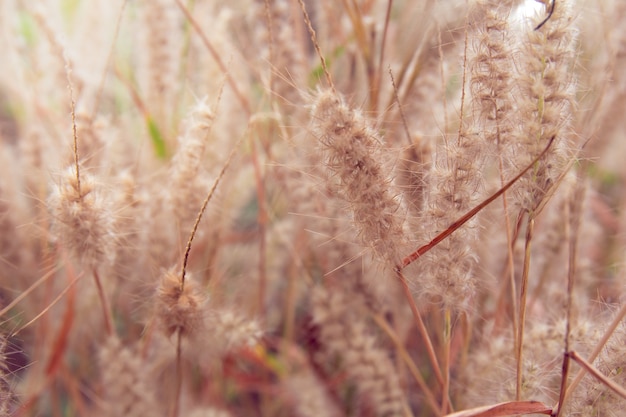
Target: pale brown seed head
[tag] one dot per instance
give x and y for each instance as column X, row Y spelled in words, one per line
column 83, row 219
column 179, row 307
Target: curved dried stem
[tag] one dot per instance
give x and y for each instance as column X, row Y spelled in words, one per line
column 421, row 327
column 242, row 99
column 409, row 259
column 203, row 209
column 316, row 45
column 430, row 397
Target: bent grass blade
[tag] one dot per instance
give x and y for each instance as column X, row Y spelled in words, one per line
column 409, row 259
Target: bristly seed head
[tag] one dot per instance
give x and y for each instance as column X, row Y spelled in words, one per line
column 83, row 220
column 179, row 307
column 353, row 154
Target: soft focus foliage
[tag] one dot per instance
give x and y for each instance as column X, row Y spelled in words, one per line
column 297, row 295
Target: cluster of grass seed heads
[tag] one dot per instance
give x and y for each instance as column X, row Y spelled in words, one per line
column 125, row 382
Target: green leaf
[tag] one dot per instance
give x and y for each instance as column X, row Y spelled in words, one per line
column 27, row 29
column 318, row 72
column 157, row 138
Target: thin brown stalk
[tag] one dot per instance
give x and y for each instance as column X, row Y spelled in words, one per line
column 421, row 327
column 572, row 231
column 262, row 219
column 430, row 397
column 508, row 276
column 597, row 374
column 362, row 38
column 463, row 82
column 203, row 209
column 379, row 68
column 409, row 259
column 223, row 67
column 400, row 109
column 522, row 307
column 505, row 409
column 104, row 302
column 447, row 338
column 468, row 326
column 443, row 79
column 413, row 65
column 270, row 46
column 596, row 351
column 510, row 243
column 179, row 375
column 29, row 290
column 49, row 306
column 106, row 308
column 100, row 88
column 316, row 45
column 74, row 129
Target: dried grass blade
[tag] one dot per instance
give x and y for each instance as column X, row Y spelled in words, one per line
column 505, row 409
column 597, row 374
column 466, row 217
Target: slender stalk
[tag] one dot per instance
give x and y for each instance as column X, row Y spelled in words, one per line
column 409, row 259
column 404, row 123
column 100, row 88
column 421, row 327
column 106, row 308
column 242, row 99
column 48, row 307
column 270, row 44
column 447, row 338
column 179, row 375
column 383, row 43
column 29, row 290
column 509, row 253
column 262, row 223
column 203, row 209
column 430, row 397
column 597, row 374
column 309, row 26
column 522, row 307
column 74, row 129
column 572, row 231
column 596, row 351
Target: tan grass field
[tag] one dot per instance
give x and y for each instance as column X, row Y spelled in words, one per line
column 315, row 208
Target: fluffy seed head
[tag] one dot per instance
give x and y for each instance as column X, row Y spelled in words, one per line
column 353, row 155
column 179, row 307
column 546, row 93
column 187, row 185
column 83, row 221
column 125, row 382
column 346, row 336
column 234, row 329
